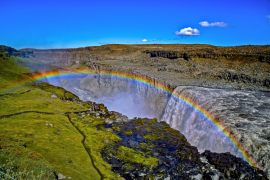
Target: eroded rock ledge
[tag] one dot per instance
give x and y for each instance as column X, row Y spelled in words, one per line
column 247, row 65
column 152, row 150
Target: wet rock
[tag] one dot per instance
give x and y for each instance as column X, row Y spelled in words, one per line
column 177, row 159
column 233, row 166
column 134, row 144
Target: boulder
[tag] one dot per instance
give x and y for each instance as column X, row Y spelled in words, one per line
column 61, row 176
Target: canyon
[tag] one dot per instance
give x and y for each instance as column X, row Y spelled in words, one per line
column 232, row 83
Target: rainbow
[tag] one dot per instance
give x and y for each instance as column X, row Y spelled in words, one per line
column 153, row 83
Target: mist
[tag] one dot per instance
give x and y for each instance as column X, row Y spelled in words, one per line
column 129, row 98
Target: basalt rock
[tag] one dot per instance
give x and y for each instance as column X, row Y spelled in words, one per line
column 259, row 53
column 170, row 154
column 233, row 167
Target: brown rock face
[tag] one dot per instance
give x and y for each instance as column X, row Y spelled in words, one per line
column 251, row 53
column 242, row 64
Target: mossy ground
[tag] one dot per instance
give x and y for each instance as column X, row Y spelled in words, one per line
column 60, row 145
column 95, row 141
column 21, row 163
column 136, row 156
column 10, row 72
column 58, row 142
column 36, row 100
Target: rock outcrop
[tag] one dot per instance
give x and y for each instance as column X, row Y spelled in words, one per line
column 152, row 150
column 250, row 53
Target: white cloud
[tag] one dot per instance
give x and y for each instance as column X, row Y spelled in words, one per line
column 188, row 32
column 207, row 24
column 145, row 40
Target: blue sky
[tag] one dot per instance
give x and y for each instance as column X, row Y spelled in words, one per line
column 71, row 24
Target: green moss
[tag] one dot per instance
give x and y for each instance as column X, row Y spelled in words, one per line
column 150, row 177
column 116, row 128
column 132, row 156
column 113, row 116
column 58, row 91
column 151, row 137
column 94, row 142
column 144, row 146
column 103, row 108
column 102, row 63
column 73, row 63
column 154, row 120
column 129, row 133
column 141, row 122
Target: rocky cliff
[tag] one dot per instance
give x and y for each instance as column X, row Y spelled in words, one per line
column 242, row 64
column 248, row 53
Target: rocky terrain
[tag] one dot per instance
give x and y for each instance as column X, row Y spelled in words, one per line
column 170, row 154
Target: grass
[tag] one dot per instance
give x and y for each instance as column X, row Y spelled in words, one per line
column 36, row 100
column 60, row 145
column 18, row 162
column 30, row 149
column 58, row 91
column 15, row 70
column 10, row 73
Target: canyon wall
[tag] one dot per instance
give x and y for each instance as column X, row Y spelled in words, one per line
column 242, row 64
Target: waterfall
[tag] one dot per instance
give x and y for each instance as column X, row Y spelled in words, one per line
column 197, row 129
column 131, row 98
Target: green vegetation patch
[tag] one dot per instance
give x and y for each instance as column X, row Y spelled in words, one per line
column 58, row 91
column 95, row 141
column 10, row 73
column 18, row 162
column 15, row 71
column 55, row 139
column 135, row 156
column 35, row 99
column 128, row 133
